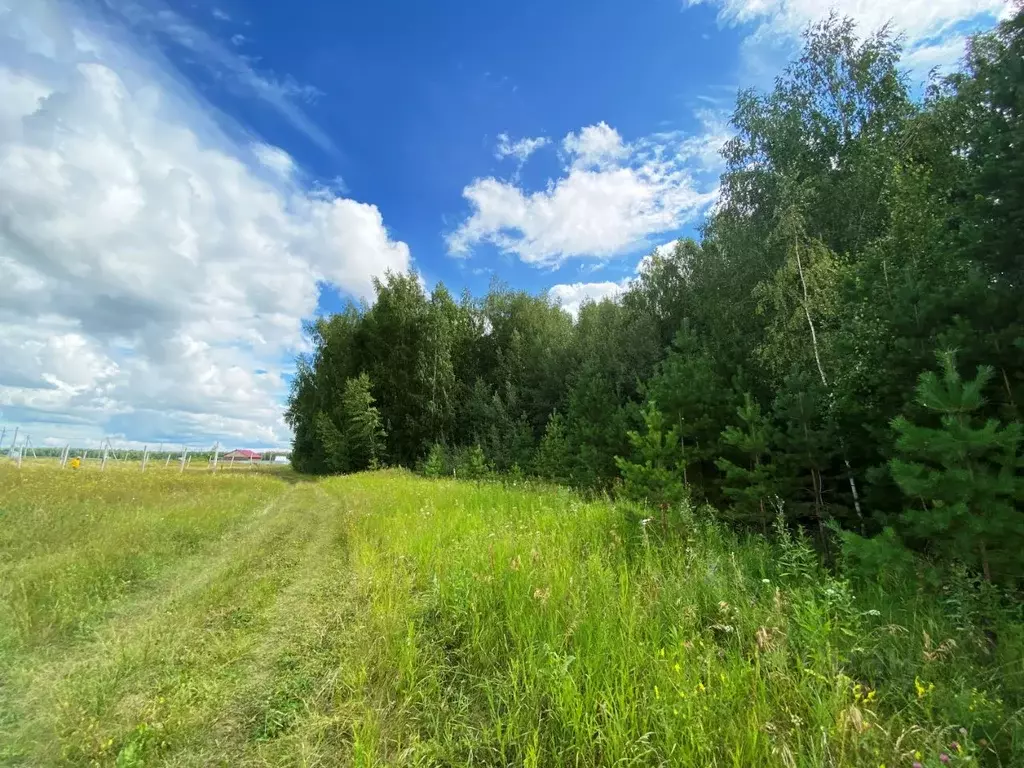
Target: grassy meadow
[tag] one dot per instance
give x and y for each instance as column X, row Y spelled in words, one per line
column 264, row 618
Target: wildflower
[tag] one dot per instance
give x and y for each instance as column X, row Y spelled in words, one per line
column 874, row 612
column 645, row 521
column 516, row 563
column 917, row 754
column 677, row 668
column 700, row 688
column 766, row 581
column 921, row 689
column 955, row 746
column 917, row 764
column 944, row 758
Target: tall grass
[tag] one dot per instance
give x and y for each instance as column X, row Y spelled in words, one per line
column 384, row 619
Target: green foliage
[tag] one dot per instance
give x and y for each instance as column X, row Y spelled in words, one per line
column 332, row 444
column 654, row 473
column 553, row 460
column 363, row 434
column 884, row 558
column 471, row 463
column 963, row 477
column 752, row 485
column 858, row 230
column 386, row 619
column 692, row 396
column 436, row 464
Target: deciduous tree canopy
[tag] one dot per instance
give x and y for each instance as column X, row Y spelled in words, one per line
column 860, row 232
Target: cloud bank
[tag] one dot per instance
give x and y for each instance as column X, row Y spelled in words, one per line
column 155, row 272
column 611, row 198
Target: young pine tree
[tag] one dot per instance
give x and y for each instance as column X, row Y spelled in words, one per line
column 656, row 477
column 436, row 463
column 332, row 444
column 472, row 464
column 363, row 433
column 964, row 474
column 752, row 485
column 553, row 459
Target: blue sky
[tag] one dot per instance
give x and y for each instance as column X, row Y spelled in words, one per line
column 185, row 182
column 410, row 100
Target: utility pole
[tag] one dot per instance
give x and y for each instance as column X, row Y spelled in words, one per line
column 145, row 456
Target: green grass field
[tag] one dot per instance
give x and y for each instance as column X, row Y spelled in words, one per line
column 382, row 619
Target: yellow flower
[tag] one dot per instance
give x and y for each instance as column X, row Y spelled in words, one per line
column 700, row 687
column 921, row 689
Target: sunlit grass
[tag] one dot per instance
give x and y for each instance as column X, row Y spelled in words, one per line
column 382, row 619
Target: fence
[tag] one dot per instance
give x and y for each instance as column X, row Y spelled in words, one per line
column 180, row 457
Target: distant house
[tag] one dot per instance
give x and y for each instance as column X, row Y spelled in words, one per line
column 241, row 454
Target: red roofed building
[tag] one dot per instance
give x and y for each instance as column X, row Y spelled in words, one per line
column 242, row 454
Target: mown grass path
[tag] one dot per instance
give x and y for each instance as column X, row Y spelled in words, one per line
column 382, row 619
column 202, row 652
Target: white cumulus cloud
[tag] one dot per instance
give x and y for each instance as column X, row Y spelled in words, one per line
column 930, row 26
column 155, row 273
column 612, row 198
column 520, row 150
column 572, row 296
column 595, row 146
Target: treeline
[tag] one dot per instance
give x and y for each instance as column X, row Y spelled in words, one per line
column 844, row 344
